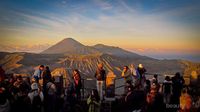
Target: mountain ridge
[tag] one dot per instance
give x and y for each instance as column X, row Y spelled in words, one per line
column 71, row 46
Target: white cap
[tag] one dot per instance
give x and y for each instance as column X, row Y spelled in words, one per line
column 34, row 86
column 140, row 66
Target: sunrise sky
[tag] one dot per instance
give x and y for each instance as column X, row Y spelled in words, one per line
column 156, row 28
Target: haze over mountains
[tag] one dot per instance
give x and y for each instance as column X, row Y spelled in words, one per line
column 71, row 54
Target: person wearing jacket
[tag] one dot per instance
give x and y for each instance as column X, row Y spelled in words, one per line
column 167, row 89
column 77, row 83
column 36, row 97
column 94, row 101
column 142, row 79
column 100, row 75
column 38, row 72
column 126, row 74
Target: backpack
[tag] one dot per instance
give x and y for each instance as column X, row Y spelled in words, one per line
column 48, row 88
column 36, row 103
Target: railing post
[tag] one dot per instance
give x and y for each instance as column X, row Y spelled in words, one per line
column 83, row 88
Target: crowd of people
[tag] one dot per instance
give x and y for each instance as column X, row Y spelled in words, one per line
column 150, row 95
column 39, row 93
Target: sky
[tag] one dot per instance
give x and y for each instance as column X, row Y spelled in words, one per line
column 156, row 28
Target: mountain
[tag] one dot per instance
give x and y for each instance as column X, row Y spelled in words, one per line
column 70, row 46
column 70, row 54
column 116, row 51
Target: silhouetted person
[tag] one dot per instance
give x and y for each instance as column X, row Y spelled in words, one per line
column 3, row 83
column 155, row 79
column 177, row 85
column 36, row 96
column 129, row 97
column 142, row 79
column 46, row 75
column 4, row 102
column 154, row 101
column 185, row 101
column 126, row 74
column 156, row 86
column 128, row 86
column 38, row 72
column 134, row 99
column 2, row 74
column 148, row 86
column 77, row 83
column 70, row 100
column 141, row 70
column 94, row 101
column 135, row 74
column 100, row 75
column 167, row 89
column 50, row 99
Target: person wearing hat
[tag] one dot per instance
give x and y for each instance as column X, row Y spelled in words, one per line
column 50, row 97
column 35, row 91
column 36, row 97
column 142, row 79
column 141, row 69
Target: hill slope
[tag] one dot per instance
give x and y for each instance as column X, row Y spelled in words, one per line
column 116, row 51
column 87, row 64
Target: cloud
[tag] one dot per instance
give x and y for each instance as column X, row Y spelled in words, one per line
column 126, row 7
column 134, row 24
column 103, row 4
column 24, row 48
column 125, row 23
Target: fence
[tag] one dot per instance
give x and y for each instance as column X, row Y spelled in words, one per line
column 119, row 84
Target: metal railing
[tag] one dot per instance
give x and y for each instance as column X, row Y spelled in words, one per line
column 116, row 79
